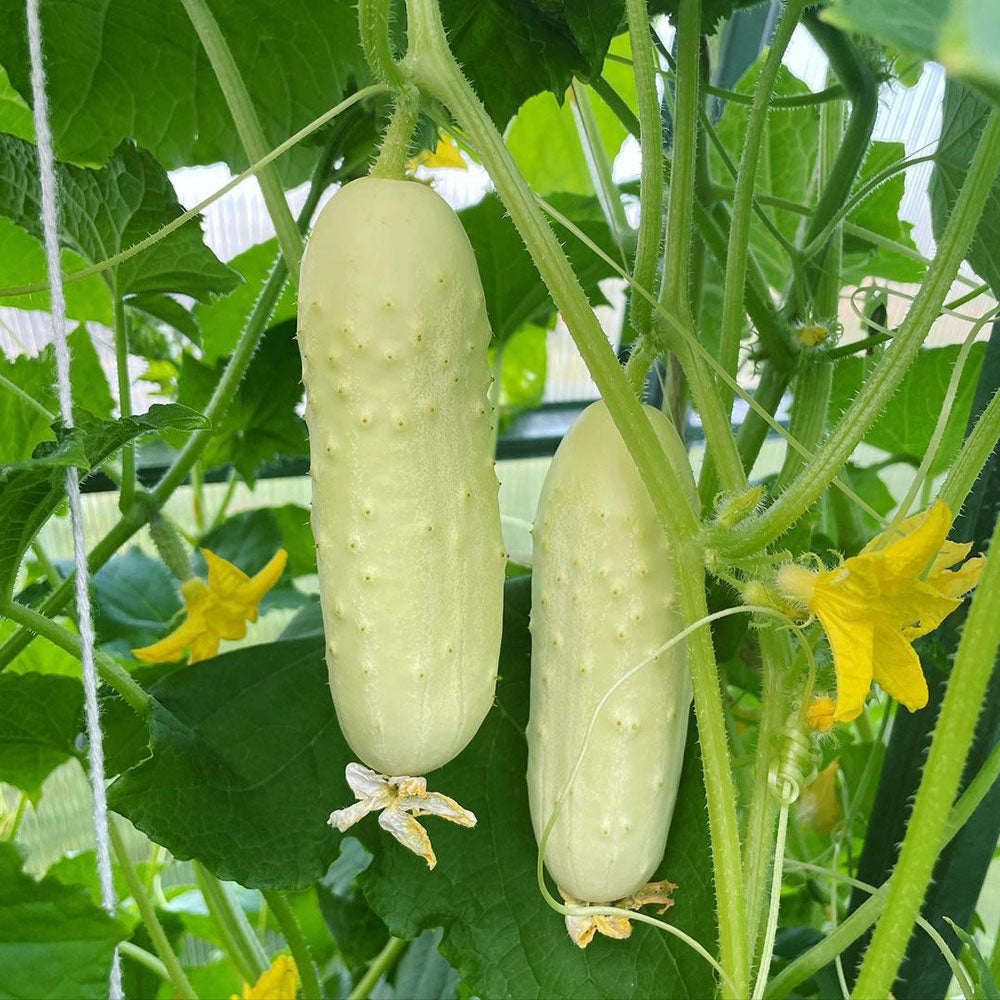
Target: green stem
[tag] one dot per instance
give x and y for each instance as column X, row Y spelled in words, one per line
column 394, row 152
column 739, row 231
column 599, row 166
column 249, row 128
column 108, row 670
column 971, row 460
column 811, row 961
column 172, row 965
column 374, row 27
column 227, row 497
column 775, row 651
column 683, row 159
column 182, row 464
column 974, row 663
column 234, row 929
column 198, row 498
column 127, row 495
column 719, row 788
column 296, row 942
column 380, row 965
column 433, row 66
column 651, row 169
column 882, row 382
column 129, row 950
column 51, row 573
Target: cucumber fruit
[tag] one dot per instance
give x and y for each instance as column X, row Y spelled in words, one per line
column 602, row 601
column 393, row 334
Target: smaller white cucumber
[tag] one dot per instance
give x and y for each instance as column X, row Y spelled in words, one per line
column 603, row 599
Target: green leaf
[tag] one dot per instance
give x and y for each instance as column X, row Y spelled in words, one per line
column 964, row 116
column 54, row 942
column 107, row 210
column 498, row 932
column 222, row 319
column 244, row 746
column 359, row 933
column 30, row 491
column 512, row 49
column 422, row 972
column 907, row 423
column 22, row 261
column 135, row 69
column 26, row 425
column 40, row 657
column 15, row 115
column 712, row 11
column 135, row 598
column 514, row 293
column 544, row 139
column 963, row 36
column 262, row 422
column 168, row 311
column 522, row 378
column 982, row 977
column 786, row 167
column 38, row 724
column 879, row 212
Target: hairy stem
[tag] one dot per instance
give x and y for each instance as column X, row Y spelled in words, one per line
column 107, row 669
column 297, row 943
column 395, row 149
column 374, row 17
column 127, row 495
column 973, row 457
column 174, row 969
column 380, row 965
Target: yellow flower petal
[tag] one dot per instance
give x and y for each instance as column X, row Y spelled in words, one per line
column 276, row 983
column 446, row 154
column 223, row 576
column 923, row 535
column 260, row 583
column 204, row 646
column 172, row 646
column 957, row 583
column 851, row 643
column 897, row 669
column 821, row 715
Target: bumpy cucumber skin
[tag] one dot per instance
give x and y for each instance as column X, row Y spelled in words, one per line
column 602, row 600
column 393, row 334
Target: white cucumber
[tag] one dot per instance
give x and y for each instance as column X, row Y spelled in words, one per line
column 603, row 599
column 393, row 334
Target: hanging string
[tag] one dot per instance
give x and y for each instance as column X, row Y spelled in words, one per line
column 50, row 216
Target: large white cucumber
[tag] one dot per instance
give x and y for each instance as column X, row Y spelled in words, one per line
column 602, row 600
column 393, row 334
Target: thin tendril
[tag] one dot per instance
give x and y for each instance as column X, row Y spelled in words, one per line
column 770, row 933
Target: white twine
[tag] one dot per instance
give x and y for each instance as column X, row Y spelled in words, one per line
column 50, row 215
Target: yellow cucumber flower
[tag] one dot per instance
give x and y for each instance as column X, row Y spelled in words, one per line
column 218, row 609
column 876, row 603
column 277, row 983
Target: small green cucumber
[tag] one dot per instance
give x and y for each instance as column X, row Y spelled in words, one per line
column 393, row 334
column 602, row 600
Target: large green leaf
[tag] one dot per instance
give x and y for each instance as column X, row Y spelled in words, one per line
column 135, row 598
column 30, row 491
column 786, row 167
column 907, row 423
column 498, row 931
column 247, row 764
column 38, row 724
column 54, row 941
column 26, row 425
column 134, row 69
column 965, row 115
column 962, row 35
column 107, row 210
column 515, row 295
column 261, row 423
column 511, row 49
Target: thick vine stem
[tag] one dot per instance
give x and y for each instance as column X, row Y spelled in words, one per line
column 297, row 944
column 831, row 456
column 394, row 152
column 249, row 128
column 925, row 831
column 182, row 464
column 374, row 18
column 973, row 457
column 739, row 230
column 380, row 965
column 651, row 169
